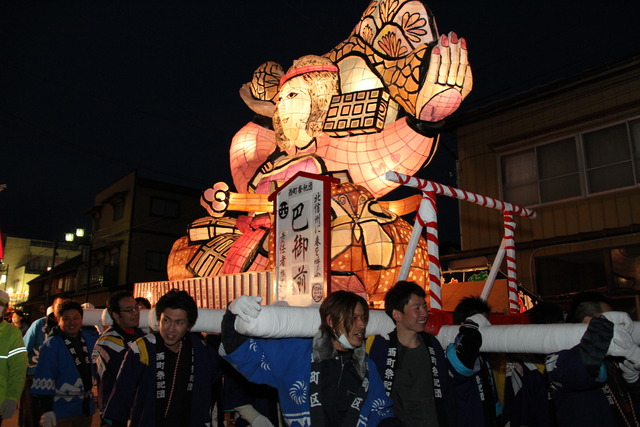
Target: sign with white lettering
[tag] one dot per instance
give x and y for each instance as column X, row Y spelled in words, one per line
column 303, row 224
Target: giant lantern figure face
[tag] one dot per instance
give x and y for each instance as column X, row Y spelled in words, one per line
column 303, row 101
column 336, row 114
column 292, row 114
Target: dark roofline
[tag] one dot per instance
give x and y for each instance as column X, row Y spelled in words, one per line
column 71, row 264
column 141, row 181
column 152, row 183
column 542, row 92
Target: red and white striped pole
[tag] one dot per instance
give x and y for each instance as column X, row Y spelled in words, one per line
column 512, row 276
column 427, row 217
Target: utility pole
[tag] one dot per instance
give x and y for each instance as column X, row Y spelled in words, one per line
column 53, row 264
column 86, row 295
column 80, row 233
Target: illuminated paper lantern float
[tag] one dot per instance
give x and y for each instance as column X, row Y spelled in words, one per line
column 337, row 115
column 368, row 243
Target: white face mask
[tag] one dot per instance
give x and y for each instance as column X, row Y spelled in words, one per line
column 344, row 342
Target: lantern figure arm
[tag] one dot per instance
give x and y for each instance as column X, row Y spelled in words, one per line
column 217, row 200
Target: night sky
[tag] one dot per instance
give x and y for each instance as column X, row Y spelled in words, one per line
column 92, row 90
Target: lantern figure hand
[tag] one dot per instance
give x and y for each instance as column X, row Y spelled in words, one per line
column 216, row 199
column 448, row 79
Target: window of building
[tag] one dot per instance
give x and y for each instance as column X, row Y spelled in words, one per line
column 587, row 163
column 113, row 257
column 156, row 261
column 69, row 283
column 608, row 159
column 564, row 274
column 558, row 174
column 164, row 207
column 625, row 267
column 634, row 129
column 37, row 264
column 616, row 268
column 118, row 209
column 519, row 178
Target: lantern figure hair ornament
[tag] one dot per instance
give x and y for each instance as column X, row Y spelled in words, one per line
column 393, row 57
column 307, row 69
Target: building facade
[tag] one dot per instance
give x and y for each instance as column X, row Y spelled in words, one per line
column 26, row 259
column 571, row 152
column 135, row 223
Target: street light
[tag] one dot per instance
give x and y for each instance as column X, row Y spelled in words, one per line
column 70, row 237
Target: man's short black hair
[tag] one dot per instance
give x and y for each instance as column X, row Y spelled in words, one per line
column 399, row 295
column 63, row 295
column 113, row 304
column 69, row 305
column 469, row 306
column 145, row 302
column 587, row 304
column 545, row 313
column 175, row 299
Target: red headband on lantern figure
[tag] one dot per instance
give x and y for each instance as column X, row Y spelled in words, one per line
column 307, row 69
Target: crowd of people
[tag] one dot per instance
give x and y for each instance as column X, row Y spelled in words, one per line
column 172, row 376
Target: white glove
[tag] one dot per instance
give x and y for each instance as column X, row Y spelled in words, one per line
column 619, row 318
column 246, row 307
column 622, row 345
column 630, row 371
column 479, row 320
column 261, row 421
column 8, row 408
column 253, row 417
column 48, row 419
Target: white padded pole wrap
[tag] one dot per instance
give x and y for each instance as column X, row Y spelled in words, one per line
column 521, row 338
column 209, row 320
column 93, row 317
column 543, row 339
column 300, row 322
